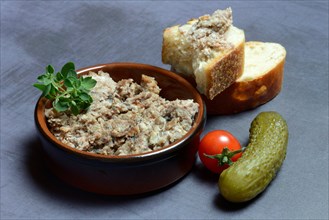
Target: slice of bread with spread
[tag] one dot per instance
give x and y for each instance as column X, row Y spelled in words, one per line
column 209, row 50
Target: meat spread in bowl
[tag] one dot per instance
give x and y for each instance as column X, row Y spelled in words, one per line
column 125, row 118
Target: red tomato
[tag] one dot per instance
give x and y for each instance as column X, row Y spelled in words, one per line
column 218, row 150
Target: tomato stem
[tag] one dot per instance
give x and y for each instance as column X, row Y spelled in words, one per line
column 225, row 156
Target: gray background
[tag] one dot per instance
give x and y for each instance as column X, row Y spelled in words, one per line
column 37, row 33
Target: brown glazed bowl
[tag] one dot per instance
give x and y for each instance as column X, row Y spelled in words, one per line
column 132, row 174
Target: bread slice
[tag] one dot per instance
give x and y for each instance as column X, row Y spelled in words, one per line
column 260, row 82
column 208, row 49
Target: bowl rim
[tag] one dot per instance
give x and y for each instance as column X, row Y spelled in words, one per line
column 197, row 126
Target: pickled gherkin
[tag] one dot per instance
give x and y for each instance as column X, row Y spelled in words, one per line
column 261, row 160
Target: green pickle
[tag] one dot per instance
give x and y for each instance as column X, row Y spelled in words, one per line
column 260, row 162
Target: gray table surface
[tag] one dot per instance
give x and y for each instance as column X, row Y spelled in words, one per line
column 37, row 33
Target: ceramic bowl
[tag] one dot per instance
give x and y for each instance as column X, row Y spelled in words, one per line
column 131, row 174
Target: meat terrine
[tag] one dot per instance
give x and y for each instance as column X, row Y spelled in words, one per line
column 125, row 118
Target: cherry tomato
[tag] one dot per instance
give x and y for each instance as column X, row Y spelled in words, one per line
column 218, row 150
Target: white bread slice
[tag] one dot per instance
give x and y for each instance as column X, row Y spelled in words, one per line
column 260, row 82
column 208, row 49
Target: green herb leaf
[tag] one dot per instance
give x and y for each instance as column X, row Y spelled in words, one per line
column 60, row 106
column 85, row 97
column 88, row 83
column 45, row 79
column 59, row 76
column 46, row 90
column 50, row 69
column 71, row 73
column 53, row 90
column 66, row 89
column 39, row 86
column 66, row 68
column 68, row 83
column 84, row 105
column 77, row 83
column 74, row 108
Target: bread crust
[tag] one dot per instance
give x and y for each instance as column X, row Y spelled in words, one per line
column 224, row 72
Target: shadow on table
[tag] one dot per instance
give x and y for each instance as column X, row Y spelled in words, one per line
column 226, row 206
column 53, row 187
column 211, row 179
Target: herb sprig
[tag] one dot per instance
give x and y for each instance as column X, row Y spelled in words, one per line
column 65, row 89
